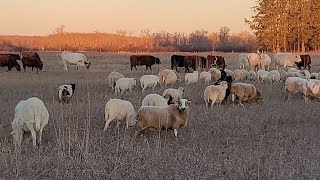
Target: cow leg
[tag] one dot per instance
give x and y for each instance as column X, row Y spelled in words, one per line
column 32, row 68
column 24, row 68
column 135, row 67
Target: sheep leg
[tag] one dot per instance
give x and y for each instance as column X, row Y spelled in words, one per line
column 233, row 99
column 175, row 131
column 240, row 103
column 107, row 123
column 33, row 133
column 40, row 136
column 154, row 86
column 212, row 103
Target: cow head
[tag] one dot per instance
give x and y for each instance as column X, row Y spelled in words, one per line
column 158, row 61
column 40, row 65
column 297, row 58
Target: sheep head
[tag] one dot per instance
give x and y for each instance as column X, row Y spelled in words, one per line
column 183, row 104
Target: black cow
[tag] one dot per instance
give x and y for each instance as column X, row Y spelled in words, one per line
column 140, row 60
column 177, row 61
column 31, row 59
column 10, row 60
column 305, row 61
column 216, row 61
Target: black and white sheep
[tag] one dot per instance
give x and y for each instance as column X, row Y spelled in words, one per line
column 66, row 91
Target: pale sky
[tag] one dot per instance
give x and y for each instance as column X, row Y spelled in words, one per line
column 41, row 17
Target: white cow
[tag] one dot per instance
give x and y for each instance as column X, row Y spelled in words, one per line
column 286, row 59
column 71, row 58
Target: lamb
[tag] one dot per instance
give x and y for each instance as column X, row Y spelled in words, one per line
column 215, row 74
column 173, row 95
column 167, row 77
column 245, row 93
column 113, row 78
column 65, row 92
column 154, row 100
column 215, row 93
column 205, row 77
column 294, row 85
column 252, row 75
column 246, row 73
column 124, row 84
column 238, row 75
column 274, row 76
column 121, row 110
column 148, row 81
column 31, row 115
column 262, row 75
column 173, row 117
column 191, row 77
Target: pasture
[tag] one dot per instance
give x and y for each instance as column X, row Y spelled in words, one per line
column 278, row 139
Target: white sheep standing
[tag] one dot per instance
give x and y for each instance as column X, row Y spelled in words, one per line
column 154, row 100
column 148, row 81
column 167, row 76
column 121, row 110
column 238, row 75
column 191, row 77
column 31, row 115
column 262, row 75
column 113, row 78
column 274, row 76
column 215, row 93
column 173, row 95
column 215, row 74
column 245, row 73
column 205, row 77
column 124, row 84
column 252, row 75
column 173, row 117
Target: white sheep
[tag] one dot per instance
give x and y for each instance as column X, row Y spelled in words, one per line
column 238, row 75
column 154, row 100
column 120, row 110
column 124, row 84
column 215, row 93
column 173, row 117
column 245, row 73
column 113, row 78
column 294, row 85
column 205, row 77
column 262, row 75
column 65, row 92
column 148, row 81
column 274, row 76
column 167, row 77
column 215, row 74
column 283, row 74
column 314, row 75
column 229, row 72
column 173, row 95
column 32, row 116
column 252, row 75
column 191, row 77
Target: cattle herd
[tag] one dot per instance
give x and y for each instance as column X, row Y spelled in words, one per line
column 170, row 110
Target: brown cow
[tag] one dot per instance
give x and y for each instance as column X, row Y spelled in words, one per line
column 194, row 62
column 141, row 60
column 305, row 62
column 10, row 60
column 216, row 61
column 31, row 59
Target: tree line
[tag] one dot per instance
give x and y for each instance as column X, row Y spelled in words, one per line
column 123, row 41
column 286, row 25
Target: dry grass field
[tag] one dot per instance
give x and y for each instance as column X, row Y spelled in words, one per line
column 278, row 139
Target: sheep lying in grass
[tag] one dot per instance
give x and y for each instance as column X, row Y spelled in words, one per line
column 173, row 95
column 154, row 100
column 215, row 93
column 148, row 81
column 113, row 77
column 191, row 77
column 125, row 84
column 121, row 110
column 32, row 116
column 66, row 91
column 173, row 117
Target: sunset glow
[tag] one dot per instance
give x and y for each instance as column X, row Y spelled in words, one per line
column 35, row 17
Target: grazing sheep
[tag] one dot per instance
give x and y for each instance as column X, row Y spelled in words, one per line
column 121, row 110
column 243, row 60
column 306, row 74
column 215, row 74
column 311, row 89
column 274, row 76
column 294, row 85
column 154, row 100
column 244, row 93
column 254, row 61
column 113, row 77
column 238, row 75
column 66, row 91
column 302, row 74
column 245, row 73
column 31, row 115
column 283, row 75
column 173, row 117
column 205, row 77
column 252, row 75
column 215, row 93
column 148, row 81
column 262, row 75
column 229, row 72
column 124, row 84
column 293, row 70
column 191, row 77
column 167, row 77
column 314, row 76
column 173, row 95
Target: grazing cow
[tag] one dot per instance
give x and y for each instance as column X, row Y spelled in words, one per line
column 71, row 58
column 140, row 60
column 66, row 91
column 254, row 61
column 10, row 60
column 216, row 61
column 305, row 61
column 286, row 59
column 177, row 61
column 31, row 59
